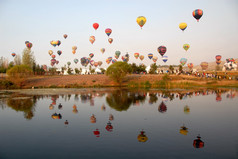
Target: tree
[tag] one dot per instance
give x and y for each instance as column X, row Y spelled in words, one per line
column 92, row 71
column 17, row 59
column 102, row 70
column 153, row 68
column 118, row 71
column 76, row 70
column 19, row 73
column 63, row 69
column 3, row 65
column 180, row 68
column 28, row 58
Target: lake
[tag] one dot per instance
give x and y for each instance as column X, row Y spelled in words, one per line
column 119, row 123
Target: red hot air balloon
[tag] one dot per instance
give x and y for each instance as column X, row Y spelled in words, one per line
column 29, row 45
column 108, row 31
column 110, row 40
column 96, row 133
column 95, row 26
column 13, row 54
column 197, row 14
column 162, row 50
column 218, row 57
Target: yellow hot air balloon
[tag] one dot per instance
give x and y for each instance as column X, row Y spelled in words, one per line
column 186, row 47
column 183, row 26
column 141, row 21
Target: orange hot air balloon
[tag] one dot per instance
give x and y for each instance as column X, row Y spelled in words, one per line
column 73, row 51
column 65, row 36
column 110, row 40
column 92, row 39
column 95, row 26
column 93, row 119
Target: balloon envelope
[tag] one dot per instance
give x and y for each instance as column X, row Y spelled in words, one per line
column 165, row 58
column 136, row 55
column 65, row 36
column 150, row 55
column 95, row 26
column 141, row 20
column 204, row 65
column 13, row 54
column 183, row 26
column 162, row 50
column 110, row 40
column 108, row 31
column 186, row 46
column 183, row 61
column 197, row 14
column 102, row 50
column 218, row 57
column 92, row 39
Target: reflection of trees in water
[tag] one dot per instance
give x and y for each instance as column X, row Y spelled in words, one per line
column 153, row 98
column 122, row 99
column 24, row 104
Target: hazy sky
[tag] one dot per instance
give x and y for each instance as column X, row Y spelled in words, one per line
column 42, row 21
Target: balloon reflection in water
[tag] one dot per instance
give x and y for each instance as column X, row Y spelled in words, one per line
column 96, row 133
column 56, row 116
column 66, row 122
column 142, row 137
column 186, row 109
column 162, row 108
column 183, row 130
column 109, row 127
column 198, row 143
column 51, row 107
column 75, row 110
column 103, row 107
column 93, row 119
column 60, row 106
column 111, row 117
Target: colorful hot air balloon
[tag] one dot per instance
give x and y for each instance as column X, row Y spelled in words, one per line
column 59, row 52
column 13, row 54
column 109, row 127
column 190, row 65
column 76, row 61
column 91, row 62
column 183, row 26
column 183, row 61
column 141, row 20
column 50, row 52
column 114, row 60
column 197, row 14
column 29, row 45
column 99, row 63
column 102, row 50
column 198, row 143
column 108, row 31
column 96, row 64
column 155, row 58
column 186, row 47
column 53, row 56
column 141, row 57
column 108, row 61
column 150, row 55
column 95, row 26
column 165, row 58
column 65, row 36
column 91, row 55
column 218, row 57
column 136, row 55
column 110, row 40
column 74, row 48
column 162, row 50
column 92, row 39
column 118, row 53
column 204, row 65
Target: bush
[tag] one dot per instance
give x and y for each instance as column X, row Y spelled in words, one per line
column 19, row 73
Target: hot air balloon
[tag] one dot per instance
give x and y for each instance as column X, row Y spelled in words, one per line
column 118, row 53
column 204, row 65
column 53, row 56
column 76, row 61
column 29, row 45
column 150, row 55
column 65, row 36
column 165, row 58
column 141, row 57
column 110, row 58
column 108, row 61
column 50, row 52
column 102, row 50
column 142, row 137
column 108, row 31
column 183, row 61
column 186, row 47
column 56, row 116
column 183, row 26
column 91, row 55
column 96, row 64
column 136, row 55
column 141, row 20
column 114, row 60
column 183, row 130
column 99, row 63
column 95, row 26
column 55, row 43
column 59, row 52
column 109, row 127
column 218, row 57
column 155, row 58
column 110, row 40
column 197, row 14
column 91, row 62
column 74, row 48
column 92, row 39
column 93, row 119
column 198, row 143
column 190, row 65
column 13, row 54
column 162, row 50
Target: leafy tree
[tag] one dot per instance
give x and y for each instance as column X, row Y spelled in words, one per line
column 52, row 71
column 17, row 59
column 118, row 71
column 102, row 70
column 76, row 70
column 19, row 73
column 69, row 71
column 63, row 69
column 180, row 68
column 92, row 71
column 171, row 68
column 28, row 58
column 153, row 68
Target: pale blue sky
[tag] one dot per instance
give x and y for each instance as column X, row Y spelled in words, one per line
column 42, row 21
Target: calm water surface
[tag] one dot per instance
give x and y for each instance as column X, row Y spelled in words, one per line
column 104, row 123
